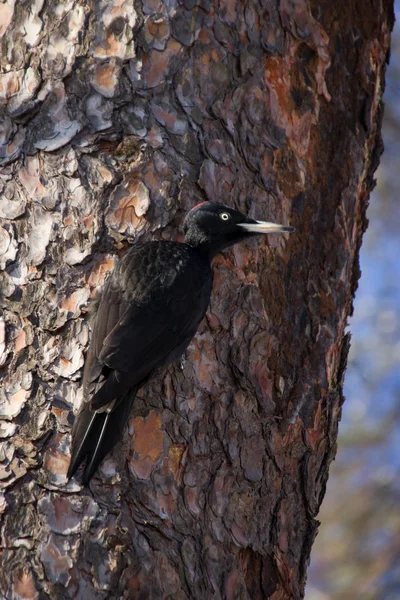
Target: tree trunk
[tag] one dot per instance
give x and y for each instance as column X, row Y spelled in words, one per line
column 118, row 119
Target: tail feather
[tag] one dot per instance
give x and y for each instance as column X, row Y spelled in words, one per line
column 98, row 453
column 95, row 434
column 84, row 429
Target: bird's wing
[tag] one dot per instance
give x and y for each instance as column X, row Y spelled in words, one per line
column 149, row 311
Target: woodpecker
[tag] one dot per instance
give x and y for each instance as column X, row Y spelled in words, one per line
column 147, row 314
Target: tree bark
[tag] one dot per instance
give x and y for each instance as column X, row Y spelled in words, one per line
column 118, row 118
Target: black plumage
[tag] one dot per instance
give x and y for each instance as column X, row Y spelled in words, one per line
column 147, row 314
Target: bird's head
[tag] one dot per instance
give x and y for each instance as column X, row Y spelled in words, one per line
column 213, row 227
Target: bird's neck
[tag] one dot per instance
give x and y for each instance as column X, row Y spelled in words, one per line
column 198, row 239
column 206, row 248
column 211, row 246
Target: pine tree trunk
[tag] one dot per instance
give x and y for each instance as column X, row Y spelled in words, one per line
column 117, row 120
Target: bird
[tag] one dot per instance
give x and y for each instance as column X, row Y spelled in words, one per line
column 145, row 317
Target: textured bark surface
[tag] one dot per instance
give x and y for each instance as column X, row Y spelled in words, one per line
column 116, row 119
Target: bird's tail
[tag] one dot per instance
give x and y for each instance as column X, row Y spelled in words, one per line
column 95, row 433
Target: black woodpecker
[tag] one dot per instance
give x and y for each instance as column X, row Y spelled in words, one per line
column 147, row 314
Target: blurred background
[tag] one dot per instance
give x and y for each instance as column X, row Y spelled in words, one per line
column 357, row 551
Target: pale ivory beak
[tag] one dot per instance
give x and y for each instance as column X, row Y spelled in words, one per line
column 265, row 227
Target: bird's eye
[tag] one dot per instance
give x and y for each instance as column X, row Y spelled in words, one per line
column 225, row 216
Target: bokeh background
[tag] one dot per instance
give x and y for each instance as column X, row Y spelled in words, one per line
column 357, row 551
